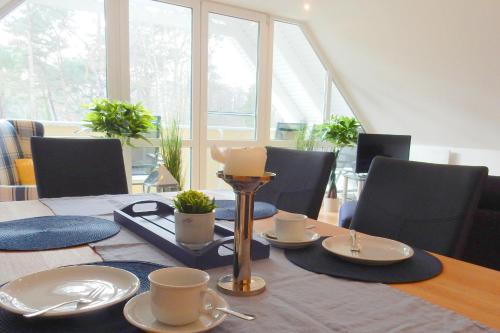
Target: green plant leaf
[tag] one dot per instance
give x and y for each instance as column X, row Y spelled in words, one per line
column 193, row 202
column 117, row 119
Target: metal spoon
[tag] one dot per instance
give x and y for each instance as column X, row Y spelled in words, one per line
column 240, row 315
column 244, row 316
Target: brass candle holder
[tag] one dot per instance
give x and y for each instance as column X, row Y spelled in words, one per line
column 242, row 282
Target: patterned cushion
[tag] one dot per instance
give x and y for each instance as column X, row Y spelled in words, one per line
column 10, row 150
column 17, row 192
column 25, row 130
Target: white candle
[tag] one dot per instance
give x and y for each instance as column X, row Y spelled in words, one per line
column 245, row 161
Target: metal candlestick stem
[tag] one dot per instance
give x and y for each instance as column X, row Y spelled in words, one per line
column 242, row 282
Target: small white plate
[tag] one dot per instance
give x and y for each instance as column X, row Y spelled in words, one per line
column 137, row 311
column 43, row 289
column 309, row 238
column 374, row 250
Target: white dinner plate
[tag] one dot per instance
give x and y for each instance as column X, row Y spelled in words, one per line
column 309, row 238
column 374, row 250
column 43, row 289
column 137, row 311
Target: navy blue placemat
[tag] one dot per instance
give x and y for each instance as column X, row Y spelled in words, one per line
column 54, row 232
column 225, row 210
column 315, row 258
column 110, row 320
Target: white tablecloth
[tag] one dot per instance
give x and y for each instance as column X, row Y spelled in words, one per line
column 296, row 300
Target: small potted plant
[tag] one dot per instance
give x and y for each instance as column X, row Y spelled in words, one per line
column 121, row 120
column 194, row 219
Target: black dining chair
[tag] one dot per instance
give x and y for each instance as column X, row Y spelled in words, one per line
column 429, row 206
column 78, row 167
column 301, row 178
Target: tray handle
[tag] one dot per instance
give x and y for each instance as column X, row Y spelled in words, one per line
column 161, row 209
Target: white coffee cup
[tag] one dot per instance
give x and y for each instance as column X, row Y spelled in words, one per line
column 178, row 294
column 290, row 226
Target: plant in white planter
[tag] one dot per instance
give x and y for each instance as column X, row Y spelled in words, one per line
column 194, row 219
column 120, row 120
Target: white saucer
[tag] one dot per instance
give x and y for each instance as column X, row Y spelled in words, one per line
column 374, row 250
column 309, row 238
column 43, row 289
column 137, row 311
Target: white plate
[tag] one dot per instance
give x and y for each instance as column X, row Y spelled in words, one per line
column 374, row 250
column 40, row 290
column 138, row 312
column 309, row 238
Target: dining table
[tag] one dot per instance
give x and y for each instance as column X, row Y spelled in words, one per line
column 462, row 289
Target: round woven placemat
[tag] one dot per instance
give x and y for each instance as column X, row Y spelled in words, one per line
column 110, row 320
column 315, row 258
column 226, row 210
column 54, row 232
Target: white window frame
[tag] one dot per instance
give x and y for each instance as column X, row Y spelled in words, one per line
column 205, row 143
column 118, row 73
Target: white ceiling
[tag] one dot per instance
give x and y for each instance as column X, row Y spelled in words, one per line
column 423, row 67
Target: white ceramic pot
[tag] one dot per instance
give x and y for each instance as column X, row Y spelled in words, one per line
column 127, row 161
column 194, row 230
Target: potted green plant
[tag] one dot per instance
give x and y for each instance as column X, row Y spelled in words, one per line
column 117, row 119
column 120, row 120
column 171, row 151
column 194, row 219
column 340, row 132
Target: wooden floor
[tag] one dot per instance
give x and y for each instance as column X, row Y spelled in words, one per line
column 327, row 214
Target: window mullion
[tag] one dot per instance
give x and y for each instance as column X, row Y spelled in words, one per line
column 117, row 49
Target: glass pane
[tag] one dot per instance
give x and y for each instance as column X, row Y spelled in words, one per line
column 298, row 92
column 146, row 160
column 338, row 104
column 214, row 182
column 52, row 59
column 232, row 77
column 160, row 59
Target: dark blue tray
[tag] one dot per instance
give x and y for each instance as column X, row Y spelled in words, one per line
column 158, row 227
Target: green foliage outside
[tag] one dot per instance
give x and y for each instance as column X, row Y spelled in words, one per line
column 193, row 202
column 307, row 139
column 171, row 151
column 119, row 120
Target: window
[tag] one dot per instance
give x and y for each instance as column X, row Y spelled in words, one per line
column 232, row 77
column 160, row 59
column 299, row 78
column 202, row 63
column 338, row 104
column 52, row 59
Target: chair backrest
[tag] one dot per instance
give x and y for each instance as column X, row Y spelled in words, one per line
column 429, row 206
column 26, row 129
column 301, row 178
column 78, row 167
column 10, row 150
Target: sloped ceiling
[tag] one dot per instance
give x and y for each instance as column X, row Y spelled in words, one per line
column 422, row 67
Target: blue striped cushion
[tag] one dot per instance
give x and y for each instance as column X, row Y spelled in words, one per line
column 10, row 150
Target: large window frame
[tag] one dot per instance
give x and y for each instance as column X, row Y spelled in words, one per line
column 118, row 74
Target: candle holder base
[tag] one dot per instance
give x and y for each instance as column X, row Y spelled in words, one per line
column 227, row 286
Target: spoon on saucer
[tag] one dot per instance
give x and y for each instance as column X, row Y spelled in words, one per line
column 240, row 315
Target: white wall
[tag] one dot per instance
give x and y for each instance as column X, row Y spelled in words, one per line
column 428, row 68
column 459, row 156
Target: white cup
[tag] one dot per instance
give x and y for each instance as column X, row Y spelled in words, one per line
column 178, row 294
column 290, row 226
